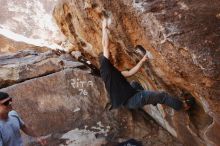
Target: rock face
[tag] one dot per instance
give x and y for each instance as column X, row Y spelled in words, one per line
column 28, row 64
column 8, row 45
column 183, row 40
column 61, row 100
column 31, row 19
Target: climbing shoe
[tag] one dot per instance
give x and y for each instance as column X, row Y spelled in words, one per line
column 189, row 101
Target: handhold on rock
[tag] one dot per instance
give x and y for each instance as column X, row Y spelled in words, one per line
column 105, row 14
column 106, row 22
column 78, row 55
column 142, row 51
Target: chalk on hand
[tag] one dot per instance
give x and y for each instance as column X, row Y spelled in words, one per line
column 149, row 55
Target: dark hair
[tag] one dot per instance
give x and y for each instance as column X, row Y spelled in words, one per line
column 3, row 95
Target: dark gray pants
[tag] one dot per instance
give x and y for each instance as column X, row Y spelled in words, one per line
column 144, row 97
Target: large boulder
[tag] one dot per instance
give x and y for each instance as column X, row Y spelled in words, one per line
column 183, row 40
column 27, row 64
column 68, row 107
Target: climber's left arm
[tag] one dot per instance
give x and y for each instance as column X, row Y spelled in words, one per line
column 135, row 69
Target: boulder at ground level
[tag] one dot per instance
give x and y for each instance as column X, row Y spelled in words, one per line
column 58, row 104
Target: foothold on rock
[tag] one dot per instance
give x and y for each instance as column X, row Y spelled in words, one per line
column 65, row 8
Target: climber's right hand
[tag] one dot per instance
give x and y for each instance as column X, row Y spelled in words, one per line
column 145, row 58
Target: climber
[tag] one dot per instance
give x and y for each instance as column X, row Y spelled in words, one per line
column 11, row 123
column 121, row 92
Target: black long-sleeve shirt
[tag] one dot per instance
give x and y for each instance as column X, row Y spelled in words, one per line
column 116, row 84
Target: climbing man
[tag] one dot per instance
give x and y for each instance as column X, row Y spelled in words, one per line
column 11, row 123
column 121, row 92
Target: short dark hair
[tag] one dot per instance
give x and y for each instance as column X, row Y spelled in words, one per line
column 3, row 95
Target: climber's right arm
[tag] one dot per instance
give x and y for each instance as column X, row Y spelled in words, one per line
column 105, row 38
column 136, row 68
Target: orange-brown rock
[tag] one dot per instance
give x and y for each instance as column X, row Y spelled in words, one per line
column 183, row 38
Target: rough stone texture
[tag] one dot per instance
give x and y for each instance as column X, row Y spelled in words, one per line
column 27, row 64
column 55, row 104
column 8, row 45
column 183, row 38
column 31, row 19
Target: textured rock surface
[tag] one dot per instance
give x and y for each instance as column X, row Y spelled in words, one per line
column 27, row 64
column 183, row 39
column 72, row 98
column 31, row 19
column 8, row 45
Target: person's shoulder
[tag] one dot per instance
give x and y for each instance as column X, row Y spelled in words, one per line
column 13, row 113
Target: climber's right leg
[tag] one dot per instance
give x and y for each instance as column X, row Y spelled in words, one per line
column 150, row 97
